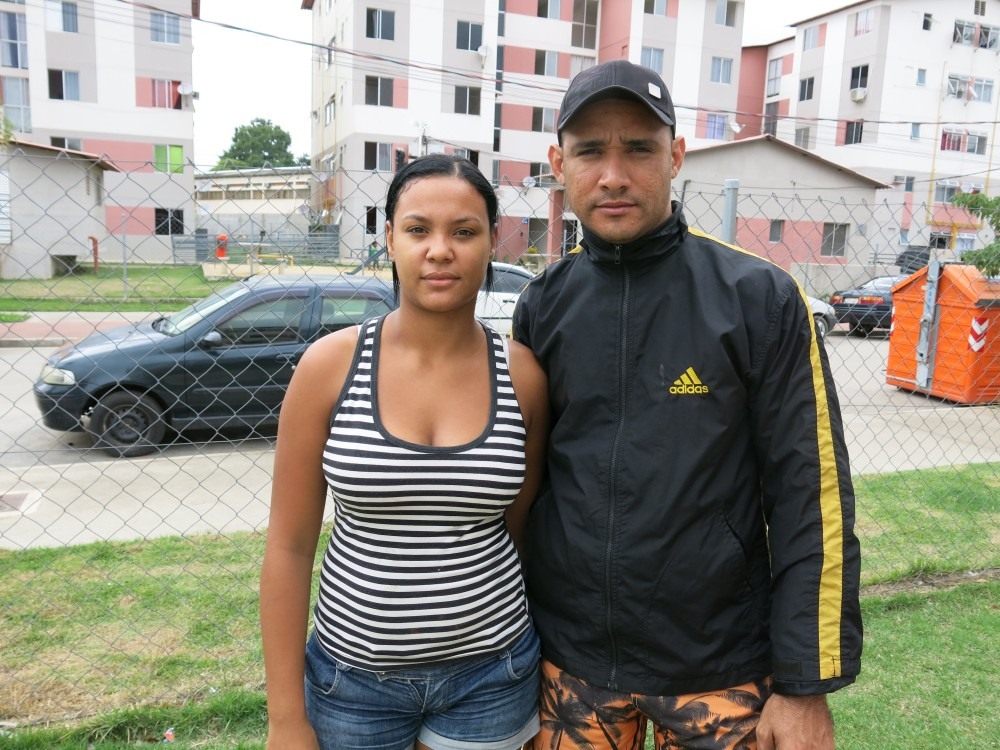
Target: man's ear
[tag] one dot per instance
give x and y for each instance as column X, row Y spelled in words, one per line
column 556, row 162
column 677, row 150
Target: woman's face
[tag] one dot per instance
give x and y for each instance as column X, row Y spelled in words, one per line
column 441, row 243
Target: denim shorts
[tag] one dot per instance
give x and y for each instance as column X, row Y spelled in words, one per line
column 479, row 703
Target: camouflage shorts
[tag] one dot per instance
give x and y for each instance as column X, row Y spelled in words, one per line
column 578, row 716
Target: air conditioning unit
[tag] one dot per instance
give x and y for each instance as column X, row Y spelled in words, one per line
column 858, row 95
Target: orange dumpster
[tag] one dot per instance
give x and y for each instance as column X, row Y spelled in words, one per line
column 958, row 356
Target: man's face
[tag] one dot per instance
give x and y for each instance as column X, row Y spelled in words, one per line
column 616, row 162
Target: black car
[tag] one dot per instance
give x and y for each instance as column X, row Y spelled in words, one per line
column 222, row 362
column 867, row 307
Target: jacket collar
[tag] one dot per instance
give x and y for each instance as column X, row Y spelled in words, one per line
column 659, row 242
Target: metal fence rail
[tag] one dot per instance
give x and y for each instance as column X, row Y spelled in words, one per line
column 134, row 579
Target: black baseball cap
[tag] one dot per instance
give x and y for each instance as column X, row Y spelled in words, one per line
column 617, row 79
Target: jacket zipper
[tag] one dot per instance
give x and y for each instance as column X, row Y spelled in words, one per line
column 613, row 479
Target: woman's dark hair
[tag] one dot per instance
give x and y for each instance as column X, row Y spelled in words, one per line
column 442, row 165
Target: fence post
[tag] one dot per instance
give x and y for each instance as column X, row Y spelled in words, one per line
column 731, row 193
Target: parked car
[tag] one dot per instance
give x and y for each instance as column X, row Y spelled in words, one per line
column 824, row 315
column 867, row 307
column 497, row 308
column 222, row 362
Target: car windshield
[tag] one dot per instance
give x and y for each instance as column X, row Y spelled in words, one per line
column 190, row 316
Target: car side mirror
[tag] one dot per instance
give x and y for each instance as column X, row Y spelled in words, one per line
column 210, row 340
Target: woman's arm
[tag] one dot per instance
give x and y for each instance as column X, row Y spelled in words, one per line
column 532, row 390
column 298, row 497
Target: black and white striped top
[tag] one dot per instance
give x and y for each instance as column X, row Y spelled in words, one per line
column 420, row 567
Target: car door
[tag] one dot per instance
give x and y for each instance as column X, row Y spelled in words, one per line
column 241, row 369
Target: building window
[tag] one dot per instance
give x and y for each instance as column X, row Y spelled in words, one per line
column 777, row 229
column 546, row 62
column 834, row 240
column 378, row 91
column 652, row 58
column 169, row 221
column 770, row 126
column 864, row 22
column 584, row 29
column 958, row 87
column 13, row 41
column 374, row 219
column 16, row 103
column 989, row 37
column 982, row 90
column 722, row 70
column 61, row 16
column 773, row 77
column 945, row 191
column 725, row 12
column 859, row 77
column 904, row 236
column 470, row 35
column 802, row 137
column 810, row 38
column 64, row 84
column 166, row 94
column 715, row 128
column 380, row 24
column 980, row 8
column 168, row 159
column 975, row 144
column 951, row 140
column 965, row 32
column 854, row 131
column 165, row 28
column 548, row 8
column 921, row 76
column 806, row 89
column 329, row 110
column 378, row 157
column 656, row 7
column 928, row 20
column 905, row 180
column 467, row 100
column 543, row 120
column 914, row 131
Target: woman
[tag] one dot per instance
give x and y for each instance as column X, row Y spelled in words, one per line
column 432, row 449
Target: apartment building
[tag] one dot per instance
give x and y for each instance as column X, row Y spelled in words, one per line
column 903, row 91
column 112, row 79
column 392, row 80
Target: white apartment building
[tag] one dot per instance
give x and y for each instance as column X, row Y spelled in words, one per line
column 111, row 79
column 393, row 80
column 902, row 91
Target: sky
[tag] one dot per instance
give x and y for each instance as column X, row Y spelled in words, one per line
column 240, row 75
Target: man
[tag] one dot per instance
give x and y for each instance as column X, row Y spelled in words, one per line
column 693, row 561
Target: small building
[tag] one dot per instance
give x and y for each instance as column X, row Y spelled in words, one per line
column 51, row 209
column 818, row 220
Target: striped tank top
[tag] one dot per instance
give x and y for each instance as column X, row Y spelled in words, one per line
column 420, row 567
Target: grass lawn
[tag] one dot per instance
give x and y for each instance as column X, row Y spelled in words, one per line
column 114, row 643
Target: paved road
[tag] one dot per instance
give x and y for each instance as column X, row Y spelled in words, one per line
column 65, row 492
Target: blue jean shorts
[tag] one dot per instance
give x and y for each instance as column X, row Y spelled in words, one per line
column 479, row 703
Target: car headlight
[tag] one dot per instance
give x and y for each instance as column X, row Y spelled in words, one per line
column 54, row 376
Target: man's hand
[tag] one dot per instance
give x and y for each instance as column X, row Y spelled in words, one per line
column 791, row 722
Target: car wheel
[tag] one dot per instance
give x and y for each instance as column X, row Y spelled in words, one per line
column 821, row 327
column 127, row 424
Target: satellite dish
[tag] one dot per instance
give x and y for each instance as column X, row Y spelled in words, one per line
column 735, row 126
column 483, row 51
column 185, row 89
column 529, row 181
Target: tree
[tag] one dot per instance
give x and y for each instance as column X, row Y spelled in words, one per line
column 987, row 260
column 259, row 143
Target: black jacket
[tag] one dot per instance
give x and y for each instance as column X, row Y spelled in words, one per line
column 696, row 429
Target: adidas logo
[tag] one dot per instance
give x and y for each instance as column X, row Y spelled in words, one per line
column 689, row 384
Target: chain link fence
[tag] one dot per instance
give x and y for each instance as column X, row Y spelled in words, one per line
column 135, row 475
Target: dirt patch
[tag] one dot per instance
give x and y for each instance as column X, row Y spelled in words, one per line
column 940, row 582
